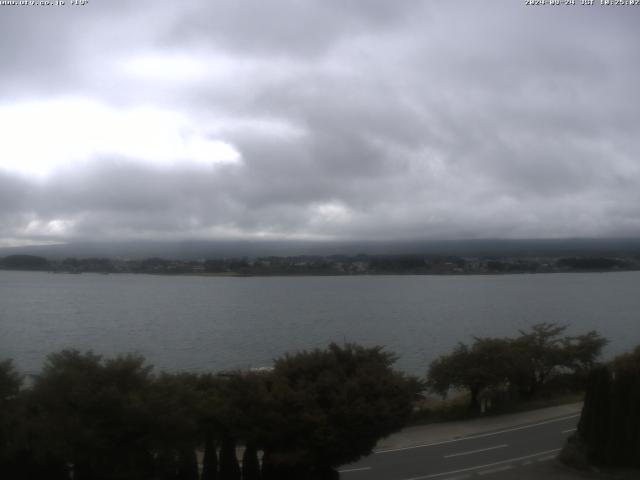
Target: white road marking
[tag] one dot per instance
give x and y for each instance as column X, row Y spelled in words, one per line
column 569, row 430
column 361, row 469
column 546, row 459
column 495, row 470
column 459, row 477
column 481, row 435
column 480, row 467
column 475, row 451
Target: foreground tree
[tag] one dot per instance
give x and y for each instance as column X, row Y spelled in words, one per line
column 93, row 414
column 92, row 418
column 172, row 402
column 330, row 407
column 609, row 429
column 541, row 351
column 487, row 364
column 250, row 463
column 594, row 421
column 521, row 366
column 237, row 412
column 229, row 467
column 10, row 383
column 544, row 352
column 209, row 459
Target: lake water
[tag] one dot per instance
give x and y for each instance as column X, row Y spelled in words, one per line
column 200, row 323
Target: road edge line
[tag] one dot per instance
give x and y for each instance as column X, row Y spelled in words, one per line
column 480, row 435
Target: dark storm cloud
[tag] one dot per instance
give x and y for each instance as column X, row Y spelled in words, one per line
column 352, row 119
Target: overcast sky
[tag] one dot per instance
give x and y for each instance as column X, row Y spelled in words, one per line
column 325, row 119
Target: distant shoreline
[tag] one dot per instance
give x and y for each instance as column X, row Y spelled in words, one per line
column 332, row 265
column 308, row 274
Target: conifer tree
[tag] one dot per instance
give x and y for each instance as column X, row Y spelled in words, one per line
column 210, row 460
column 609, row 428
column 229, row 467
column 594, row 422
column 187, row 464
column 268, row 470
column 250, row 463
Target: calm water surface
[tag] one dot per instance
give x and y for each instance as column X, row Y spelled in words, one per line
column 200, row 323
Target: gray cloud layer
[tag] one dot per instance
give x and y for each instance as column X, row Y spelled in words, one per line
column 353, row 119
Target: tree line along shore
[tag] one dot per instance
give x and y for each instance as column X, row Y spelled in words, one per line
column 87, row 417
column 326, row 265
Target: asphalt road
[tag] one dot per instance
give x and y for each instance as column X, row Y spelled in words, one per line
column 483, row 455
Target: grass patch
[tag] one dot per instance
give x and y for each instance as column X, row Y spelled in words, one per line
column 434, row 409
